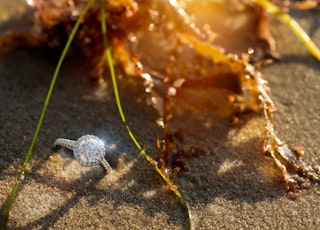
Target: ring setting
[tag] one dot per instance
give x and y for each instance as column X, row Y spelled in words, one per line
column 88, row 150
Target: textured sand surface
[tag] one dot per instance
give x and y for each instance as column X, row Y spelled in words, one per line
column 233, row 187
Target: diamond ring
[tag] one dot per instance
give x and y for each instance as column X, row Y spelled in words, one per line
column 88, row 150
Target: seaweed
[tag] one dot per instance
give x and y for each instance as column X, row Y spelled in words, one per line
column 234, row 77
column 40, row 121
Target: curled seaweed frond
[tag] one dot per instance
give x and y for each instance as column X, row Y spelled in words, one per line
column 248, row 91
column 296, row 173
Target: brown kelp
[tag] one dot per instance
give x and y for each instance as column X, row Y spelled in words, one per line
column 188, row 59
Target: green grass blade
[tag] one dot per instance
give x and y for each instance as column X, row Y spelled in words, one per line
column 123, row 118
column 44, row 108
column 293, row 25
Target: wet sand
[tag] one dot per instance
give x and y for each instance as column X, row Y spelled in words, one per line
column 234, row 186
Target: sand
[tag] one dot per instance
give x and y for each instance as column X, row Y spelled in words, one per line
column 233, row 186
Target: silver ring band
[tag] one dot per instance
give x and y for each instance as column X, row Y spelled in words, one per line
column 70, row 144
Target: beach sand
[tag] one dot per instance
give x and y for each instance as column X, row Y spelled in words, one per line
column 232, row 186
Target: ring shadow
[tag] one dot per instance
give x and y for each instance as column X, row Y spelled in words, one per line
column 251, row 180
column 200, row 185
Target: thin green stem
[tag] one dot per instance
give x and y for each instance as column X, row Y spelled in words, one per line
column 123, row 118
column 293, row 25
column 44, row 108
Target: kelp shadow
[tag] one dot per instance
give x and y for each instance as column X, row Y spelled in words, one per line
column 240, row 173
column 122, row 194
column 23, row 87
column 205, row 185
column 200, row 185
column 203, row 178
column 233, row 165
column 75, row 110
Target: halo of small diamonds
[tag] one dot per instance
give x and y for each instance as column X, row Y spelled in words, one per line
column 88, row 150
